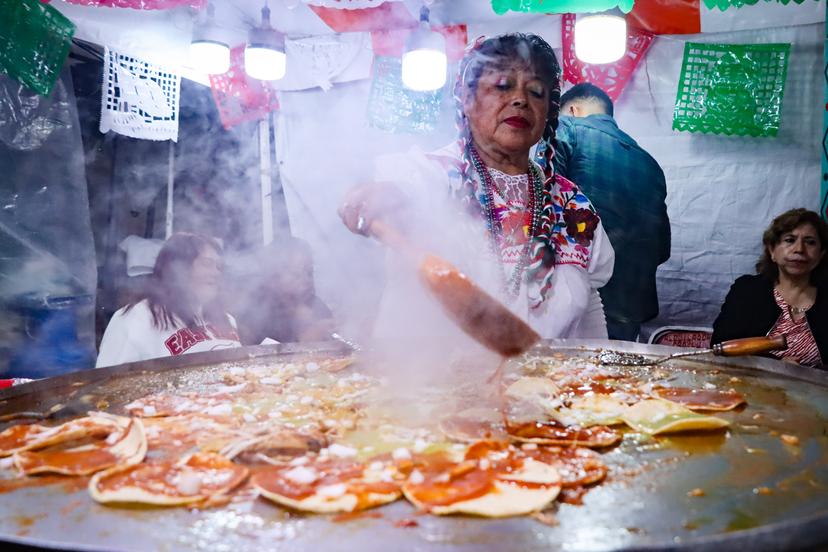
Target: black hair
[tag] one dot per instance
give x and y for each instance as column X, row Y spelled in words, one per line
column 168, row 290
column 504, row 50
column 588, row 91
column 788, row 222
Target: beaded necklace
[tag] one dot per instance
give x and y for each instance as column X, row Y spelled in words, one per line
column 511, row 285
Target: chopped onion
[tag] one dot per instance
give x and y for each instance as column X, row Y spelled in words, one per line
column 188, row 483
column 332, row 491
column 342, row 451
column 302, row 475
column 219, row 410
column 401, row 454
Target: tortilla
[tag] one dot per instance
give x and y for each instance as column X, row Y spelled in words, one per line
column 541, row 392
column 592, row 410
column 577, row 466
column 195, row 478
column 551, row 432
column 473, row 425
column 329, row 486
column 657, row 416
column 125, row 447
column 34, row 436
column 494, row 480
column 701, row 399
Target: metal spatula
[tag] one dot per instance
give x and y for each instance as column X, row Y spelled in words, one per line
column 733, row 347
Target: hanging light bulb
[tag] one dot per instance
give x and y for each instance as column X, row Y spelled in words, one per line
column 601, row 37
column 264, row 56
column 209, row 53
column 424, row 61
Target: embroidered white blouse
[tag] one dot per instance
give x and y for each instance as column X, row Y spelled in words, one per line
column 572, row 307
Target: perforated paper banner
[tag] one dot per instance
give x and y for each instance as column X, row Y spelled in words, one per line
column 610, row 77
column 731, row 89
column 238, row 97
column 394, row 108
column 34, row 42
column 139, row 99
column 390, row 15
column 724, row 4
column 347, row 4
column 141, row 4
column 560, row 6
column 391, row 43
column 698, row 16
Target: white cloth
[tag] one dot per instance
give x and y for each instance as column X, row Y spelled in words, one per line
column 140, row 254
column 572, row 308
column 131, row 336
column 321, row 61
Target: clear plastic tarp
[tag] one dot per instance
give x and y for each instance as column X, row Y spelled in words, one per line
column 47, row 266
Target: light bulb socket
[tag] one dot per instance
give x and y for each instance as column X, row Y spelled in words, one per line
column 423, row 38
column 206, row 30
column 260, row 37
column 264, row 56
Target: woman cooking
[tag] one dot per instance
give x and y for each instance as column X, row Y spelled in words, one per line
column 178, row 312
column 525, row 234
column 788, row 295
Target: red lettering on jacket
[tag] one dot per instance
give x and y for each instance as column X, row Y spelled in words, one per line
column 173, row 344
column 187, row 338
column 181, row 341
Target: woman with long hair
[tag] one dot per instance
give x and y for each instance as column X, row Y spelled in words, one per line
column 178, row 312
column 491, row 202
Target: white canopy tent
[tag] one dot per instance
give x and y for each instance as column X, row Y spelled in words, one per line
column 722, row 191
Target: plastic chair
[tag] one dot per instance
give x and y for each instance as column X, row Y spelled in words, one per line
column 697, row 337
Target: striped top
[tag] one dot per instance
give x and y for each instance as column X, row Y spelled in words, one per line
column 802, row 346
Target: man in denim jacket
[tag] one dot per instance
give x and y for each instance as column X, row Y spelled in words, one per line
column 628, row 189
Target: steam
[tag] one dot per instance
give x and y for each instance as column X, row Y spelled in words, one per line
column 417, row 343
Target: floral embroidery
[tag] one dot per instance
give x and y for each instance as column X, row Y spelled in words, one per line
column 554, row 242
column 581, row 225
column 575, row 222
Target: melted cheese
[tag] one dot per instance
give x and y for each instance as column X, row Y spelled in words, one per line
column 657, row 416
column 591, row 411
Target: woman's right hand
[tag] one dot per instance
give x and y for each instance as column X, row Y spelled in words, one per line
column 365, row 203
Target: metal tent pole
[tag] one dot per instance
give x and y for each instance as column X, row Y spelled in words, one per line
column 168, row 218
column 265, row 180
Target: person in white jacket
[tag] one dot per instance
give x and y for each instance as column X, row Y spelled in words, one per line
column 178, row 312
column 523, row 233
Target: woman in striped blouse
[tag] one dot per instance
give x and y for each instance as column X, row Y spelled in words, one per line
column 789, row 295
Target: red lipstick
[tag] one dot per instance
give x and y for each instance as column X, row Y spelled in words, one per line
column 517, row 122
